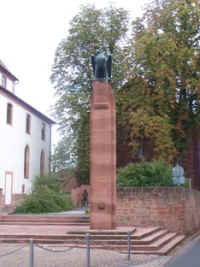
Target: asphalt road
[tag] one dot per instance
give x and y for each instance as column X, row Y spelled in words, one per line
column 189, row 256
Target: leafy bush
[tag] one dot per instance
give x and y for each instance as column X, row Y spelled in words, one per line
column 155, row 173
column 45, row 197
column 47, row 180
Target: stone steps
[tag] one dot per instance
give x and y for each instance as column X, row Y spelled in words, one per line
column 152, row 237
column 27, row 218
column 150, row 240
column 143, row 241
column 140, row 233
column 163, row 250
column 46, row 223
column 118, row 243
column 155, row 245
column 44, row 220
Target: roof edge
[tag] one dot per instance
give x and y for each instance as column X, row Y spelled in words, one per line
column 26, row 105
column 6, row 71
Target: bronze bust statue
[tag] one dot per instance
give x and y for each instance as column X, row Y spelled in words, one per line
column 101, row 63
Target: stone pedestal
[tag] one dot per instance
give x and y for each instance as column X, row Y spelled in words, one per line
column 102, row 157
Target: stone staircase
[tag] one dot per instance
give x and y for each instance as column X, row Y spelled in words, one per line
column 151, row 240
column 44, row 220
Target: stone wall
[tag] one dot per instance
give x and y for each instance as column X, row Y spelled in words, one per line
column 67, row 180
column 77, row 193
column 192, row 212
column 174, row 208
column 69, row 184
column 17, row 199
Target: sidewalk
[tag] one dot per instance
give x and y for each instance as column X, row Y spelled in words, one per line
column 188, row 256
column 74, row 212
column 75, row 258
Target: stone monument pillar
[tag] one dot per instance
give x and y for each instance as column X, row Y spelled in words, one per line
column 102, row 157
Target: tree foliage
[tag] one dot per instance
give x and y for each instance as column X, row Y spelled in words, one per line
column 62, row 154
column 155, row 77
column 72, row 77
column 155, row 173
column 46, row 196
column 164, row 86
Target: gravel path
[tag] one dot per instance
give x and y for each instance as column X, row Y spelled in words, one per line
column 74, row 258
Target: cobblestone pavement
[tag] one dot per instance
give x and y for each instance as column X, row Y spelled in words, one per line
column 74, row 258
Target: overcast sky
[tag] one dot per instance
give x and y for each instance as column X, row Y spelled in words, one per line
column 30, row 31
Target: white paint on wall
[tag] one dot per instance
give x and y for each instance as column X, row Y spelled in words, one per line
column 8, row 188
column 13, row 140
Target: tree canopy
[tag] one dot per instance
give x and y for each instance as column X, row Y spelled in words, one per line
column 62, row 157
column 164, row 90
column 90, row 29
column 155, row 77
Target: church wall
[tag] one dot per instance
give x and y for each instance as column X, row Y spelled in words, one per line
column 13, row 142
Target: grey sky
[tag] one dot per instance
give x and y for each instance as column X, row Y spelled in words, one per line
column 30, row 32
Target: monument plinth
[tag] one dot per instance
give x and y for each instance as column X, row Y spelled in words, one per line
column 102, row 157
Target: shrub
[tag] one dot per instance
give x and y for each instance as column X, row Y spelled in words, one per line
column 155, row 173
column 45, row 197
column 47, row 180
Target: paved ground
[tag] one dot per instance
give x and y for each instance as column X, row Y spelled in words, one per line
column 73, row 258
column 75, row 212
column 188, row 256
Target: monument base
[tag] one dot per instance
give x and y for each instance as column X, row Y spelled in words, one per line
column 102, row 157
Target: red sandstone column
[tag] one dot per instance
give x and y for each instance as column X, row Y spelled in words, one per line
column 102, row 157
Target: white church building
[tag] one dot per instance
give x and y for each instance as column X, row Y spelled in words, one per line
column 25, row 141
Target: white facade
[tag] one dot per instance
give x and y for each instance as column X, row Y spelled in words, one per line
column 13, row 141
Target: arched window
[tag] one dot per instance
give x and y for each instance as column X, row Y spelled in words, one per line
column 26, row 161
column 42, row 163
column 43, row 131
column 28, row 123
column 4, row 81
column 9, row 113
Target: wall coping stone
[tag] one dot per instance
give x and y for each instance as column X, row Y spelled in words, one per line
column 178, row 192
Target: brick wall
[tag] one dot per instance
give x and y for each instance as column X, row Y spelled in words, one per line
column 175, row 208
column 77, row 193
column 189, row 161
column 69, row 184
column 17, row 199
column 67, row 180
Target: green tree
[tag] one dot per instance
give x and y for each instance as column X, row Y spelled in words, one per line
column 164, row 87
column 155, row 173
column 46, row 196
column 72, row 77
column 62, row 154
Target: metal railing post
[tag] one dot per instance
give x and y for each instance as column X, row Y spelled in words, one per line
column 31, row 253
column 88, row 249
column 129, row 246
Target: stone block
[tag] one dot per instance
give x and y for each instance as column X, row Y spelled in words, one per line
column 102, row 157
